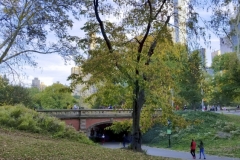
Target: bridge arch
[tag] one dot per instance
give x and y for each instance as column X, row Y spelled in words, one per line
column 99, row 130
column 88, row 130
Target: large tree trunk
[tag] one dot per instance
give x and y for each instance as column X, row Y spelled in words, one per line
column 137, row 106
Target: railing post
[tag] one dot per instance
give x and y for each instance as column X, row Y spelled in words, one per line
column 79, row 112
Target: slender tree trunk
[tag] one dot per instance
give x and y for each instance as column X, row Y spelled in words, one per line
column 137, row 106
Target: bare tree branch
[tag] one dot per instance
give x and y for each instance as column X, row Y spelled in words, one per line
column 4, row 42
column 103, row 31
column 16, row 32
column 154, row 44
column 19, row 53
column 160, row 9
column 147, row 29
column 13, row 71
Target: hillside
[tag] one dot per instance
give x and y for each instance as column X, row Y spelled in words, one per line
column 220, row 134
column 27, row 134
column 22, row 145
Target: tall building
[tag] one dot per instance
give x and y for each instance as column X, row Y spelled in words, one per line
column 92, row 43
column 235, row 29
column 80, row 89
column 225, row 45
column 202, row 54
column 36, row 83
column 235, row 38
column 42, row 86
column 5, row 78
column 180, row 19
column 215, row 53
column 229, row 44
column 75, row 70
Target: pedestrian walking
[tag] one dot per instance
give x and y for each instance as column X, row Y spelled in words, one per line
column 103, row 139
column 201, row 147
column 124, row 140
column 193, row 148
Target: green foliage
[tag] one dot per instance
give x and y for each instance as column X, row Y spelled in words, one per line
column 36, row 21
column 56, row 96
column 216, row 130
column 133, row 60
column 190, row 80
column 21, row 118
column 226, row 79
column 122, row 126
column 14, row 94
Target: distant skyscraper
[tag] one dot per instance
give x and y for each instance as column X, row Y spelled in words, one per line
column 36, row 83
column 202, row 54
column 80, row 89
column 75, row 70
column 215, row 53
column 180, row 19
column 5, row 78
column 235, row 29
column 235, row 38
column 42, row 86
column 92, row 43
column 225, row 45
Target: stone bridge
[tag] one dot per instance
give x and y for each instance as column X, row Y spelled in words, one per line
column 86, row 119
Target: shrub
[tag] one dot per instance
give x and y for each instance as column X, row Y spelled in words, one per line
column 29, row 120
column 229, row 127
column 237, row 132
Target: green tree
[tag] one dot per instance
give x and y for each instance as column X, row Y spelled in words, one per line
column 25, row 26
column 56, row 96
column 130, row 53
column 35, row 96
column 14, row 94
column 3, row 90
column 207, row 88
column 226, row 80
column 191, row 80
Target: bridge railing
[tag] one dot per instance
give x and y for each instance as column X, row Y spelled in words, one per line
column 61, row 113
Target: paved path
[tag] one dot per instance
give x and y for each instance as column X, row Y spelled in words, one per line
column 231, row 112
column 169, row 153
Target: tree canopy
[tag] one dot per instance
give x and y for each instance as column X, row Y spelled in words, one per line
column 14, row 94
column 25, row 29
column 226, row 79
column 56, row 96
column 191, row 80
column 131, row 52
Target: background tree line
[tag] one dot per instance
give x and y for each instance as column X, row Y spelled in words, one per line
column 56, row 96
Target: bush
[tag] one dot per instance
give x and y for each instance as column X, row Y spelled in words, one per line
column 229, row 127
column 29, row 120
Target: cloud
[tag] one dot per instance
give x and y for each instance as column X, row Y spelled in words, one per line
column 51, row 68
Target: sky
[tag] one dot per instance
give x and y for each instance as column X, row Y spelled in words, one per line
column 52, row 68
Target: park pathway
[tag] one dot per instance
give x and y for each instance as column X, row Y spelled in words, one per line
column 231, row 112
column 169, row 153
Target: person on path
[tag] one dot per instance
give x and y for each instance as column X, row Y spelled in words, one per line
column 124, row 140
column 201, row 147
column 193, row 148
column 103, row 139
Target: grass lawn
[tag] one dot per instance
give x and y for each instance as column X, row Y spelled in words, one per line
column 220, row 134
column 18, row 145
